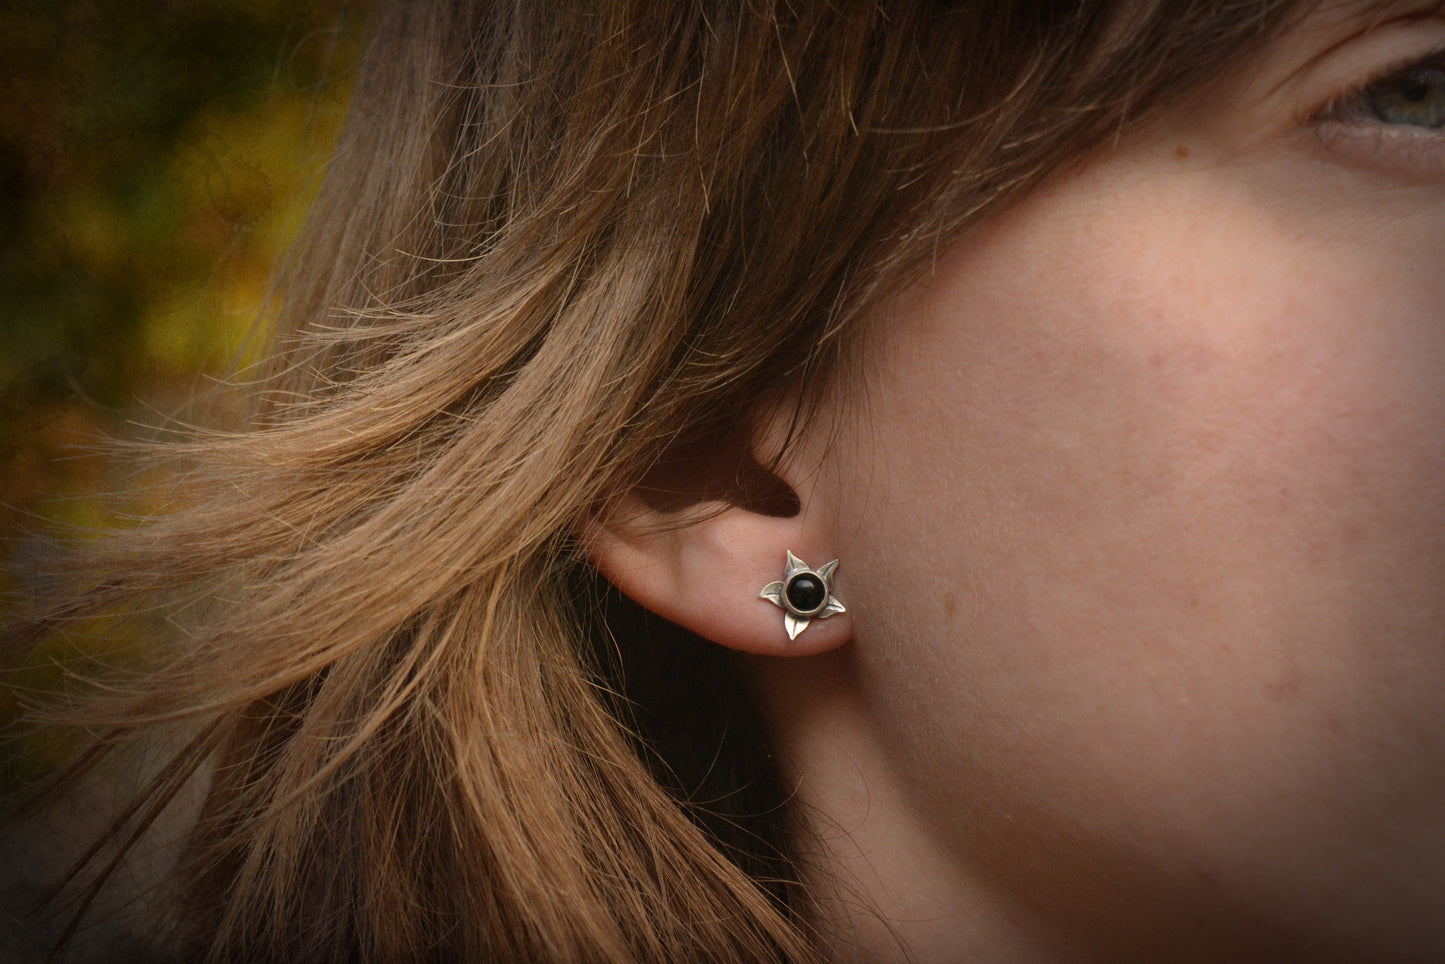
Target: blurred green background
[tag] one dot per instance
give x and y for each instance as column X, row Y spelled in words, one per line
column 155, row 160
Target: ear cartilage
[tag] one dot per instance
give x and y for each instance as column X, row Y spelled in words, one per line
column 803, row 594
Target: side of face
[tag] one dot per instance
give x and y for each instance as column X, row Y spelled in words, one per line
column 1143, row 521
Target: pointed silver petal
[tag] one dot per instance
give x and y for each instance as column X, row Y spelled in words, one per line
column 773, row 593
column 834, row 606
column 794, row 624
column 827, row 573
column 794, row 565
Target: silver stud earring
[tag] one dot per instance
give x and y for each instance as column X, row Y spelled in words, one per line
column 803, row 594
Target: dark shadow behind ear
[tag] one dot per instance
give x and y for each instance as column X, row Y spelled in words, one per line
column 696, row 727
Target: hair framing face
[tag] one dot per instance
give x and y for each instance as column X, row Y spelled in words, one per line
column 559, row 247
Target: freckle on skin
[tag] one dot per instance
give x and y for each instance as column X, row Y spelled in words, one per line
column 950, row 604
column 1182, row 151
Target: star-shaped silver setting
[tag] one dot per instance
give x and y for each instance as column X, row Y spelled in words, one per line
column 803, row 594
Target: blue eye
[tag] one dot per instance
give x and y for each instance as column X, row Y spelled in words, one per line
column 1393, row 123
column 1413, row 97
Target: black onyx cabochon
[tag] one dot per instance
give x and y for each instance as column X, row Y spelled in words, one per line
column 806, row 592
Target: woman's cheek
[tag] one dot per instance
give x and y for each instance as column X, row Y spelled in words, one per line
column 1167, row 506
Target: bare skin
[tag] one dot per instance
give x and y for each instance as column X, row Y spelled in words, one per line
column 1143, row 539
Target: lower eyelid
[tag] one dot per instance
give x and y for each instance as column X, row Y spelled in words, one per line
column 1416, row 153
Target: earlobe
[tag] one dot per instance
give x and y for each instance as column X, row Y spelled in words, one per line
column 712, row 575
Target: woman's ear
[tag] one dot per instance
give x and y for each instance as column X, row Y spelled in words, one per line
column 703, row 563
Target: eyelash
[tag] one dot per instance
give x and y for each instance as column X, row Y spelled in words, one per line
column 1348, row 126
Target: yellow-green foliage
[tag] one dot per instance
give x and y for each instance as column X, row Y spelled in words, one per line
column 155, row 161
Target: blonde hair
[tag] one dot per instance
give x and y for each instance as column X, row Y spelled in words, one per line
column 558, row 245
